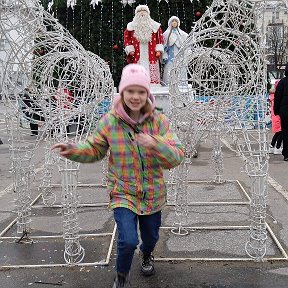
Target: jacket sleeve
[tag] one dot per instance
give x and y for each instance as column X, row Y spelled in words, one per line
column 278, row 97
column 159, row 41
column 95, row 147
column 168, row 150
column 128, row 44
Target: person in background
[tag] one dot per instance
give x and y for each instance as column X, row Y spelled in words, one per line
column 281, row 109
column 63, row 102
column 30, row 109
column 276, row 142
column 141, row 145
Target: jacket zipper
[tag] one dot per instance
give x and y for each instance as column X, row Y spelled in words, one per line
column 138, row 149
column 136, row 131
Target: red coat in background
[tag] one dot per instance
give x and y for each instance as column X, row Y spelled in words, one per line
column 275, row 119
column 70, row 98
column 63, row 99
column 151, row 63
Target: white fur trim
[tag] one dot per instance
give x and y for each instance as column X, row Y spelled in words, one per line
column 142, row 7
column 176, row 37
column 144, row 56
column 160, row 48
column 130, row 26
column 171, row 20
column 129, row 48
column 155, row 26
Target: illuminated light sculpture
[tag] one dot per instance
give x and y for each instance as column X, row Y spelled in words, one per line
column 66, row 85
column 225, row 94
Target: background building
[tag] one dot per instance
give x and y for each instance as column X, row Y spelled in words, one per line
column 273, row 21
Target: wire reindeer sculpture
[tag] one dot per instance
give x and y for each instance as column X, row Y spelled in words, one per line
column 224, row 92
column 59, row 86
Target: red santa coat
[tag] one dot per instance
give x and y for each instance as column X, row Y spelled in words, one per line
column 132, row 44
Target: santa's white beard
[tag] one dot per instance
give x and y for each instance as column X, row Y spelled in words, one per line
column 143, row 28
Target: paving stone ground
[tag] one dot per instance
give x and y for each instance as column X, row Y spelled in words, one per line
column 218, row 220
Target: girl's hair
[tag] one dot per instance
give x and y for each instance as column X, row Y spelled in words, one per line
column 145, row 109
column 168, row 38
column 177, row 27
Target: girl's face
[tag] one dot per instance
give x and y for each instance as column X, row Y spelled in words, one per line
column 135, row 97
column 174, row 23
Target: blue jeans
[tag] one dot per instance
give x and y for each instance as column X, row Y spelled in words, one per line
column 127, row 242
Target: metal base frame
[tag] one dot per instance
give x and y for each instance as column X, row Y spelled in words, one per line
column 184, row 230
column 276, row 241
column 101, row 263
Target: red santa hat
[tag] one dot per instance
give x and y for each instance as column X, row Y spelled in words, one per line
column 142, row 7
column 134, row 74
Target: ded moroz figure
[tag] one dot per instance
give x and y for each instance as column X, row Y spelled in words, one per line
column 143, row 42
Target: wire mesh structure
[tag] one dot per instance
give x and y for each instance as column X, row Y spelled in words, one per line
column 51, row 81
column 225, row 93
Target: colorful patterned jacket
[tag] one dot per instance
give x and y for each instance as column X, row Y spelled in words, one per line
column 135, row 174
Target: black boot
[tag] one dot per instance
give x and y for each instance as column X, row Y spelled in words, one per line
column 121, row 281
column 147, row 265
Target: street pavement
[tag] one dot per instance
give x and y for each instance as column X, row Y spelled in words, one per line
column 211, row 255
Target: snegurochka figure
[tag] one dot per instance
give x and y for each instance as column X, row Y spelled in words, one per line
column 174, row 38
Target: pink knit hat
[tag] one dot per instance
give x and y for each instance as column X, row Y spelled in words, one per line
column 134, row 74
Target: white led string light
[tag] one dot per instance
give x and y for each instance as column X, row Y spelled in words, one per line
column 65, row 83
column 224, row 91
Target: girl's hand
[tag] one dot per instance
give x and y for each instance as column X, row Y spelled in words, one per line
column 64, row 148
column 145, row 140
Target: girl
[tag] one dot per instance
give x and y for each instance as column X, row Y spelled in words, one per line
column 141, row 145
